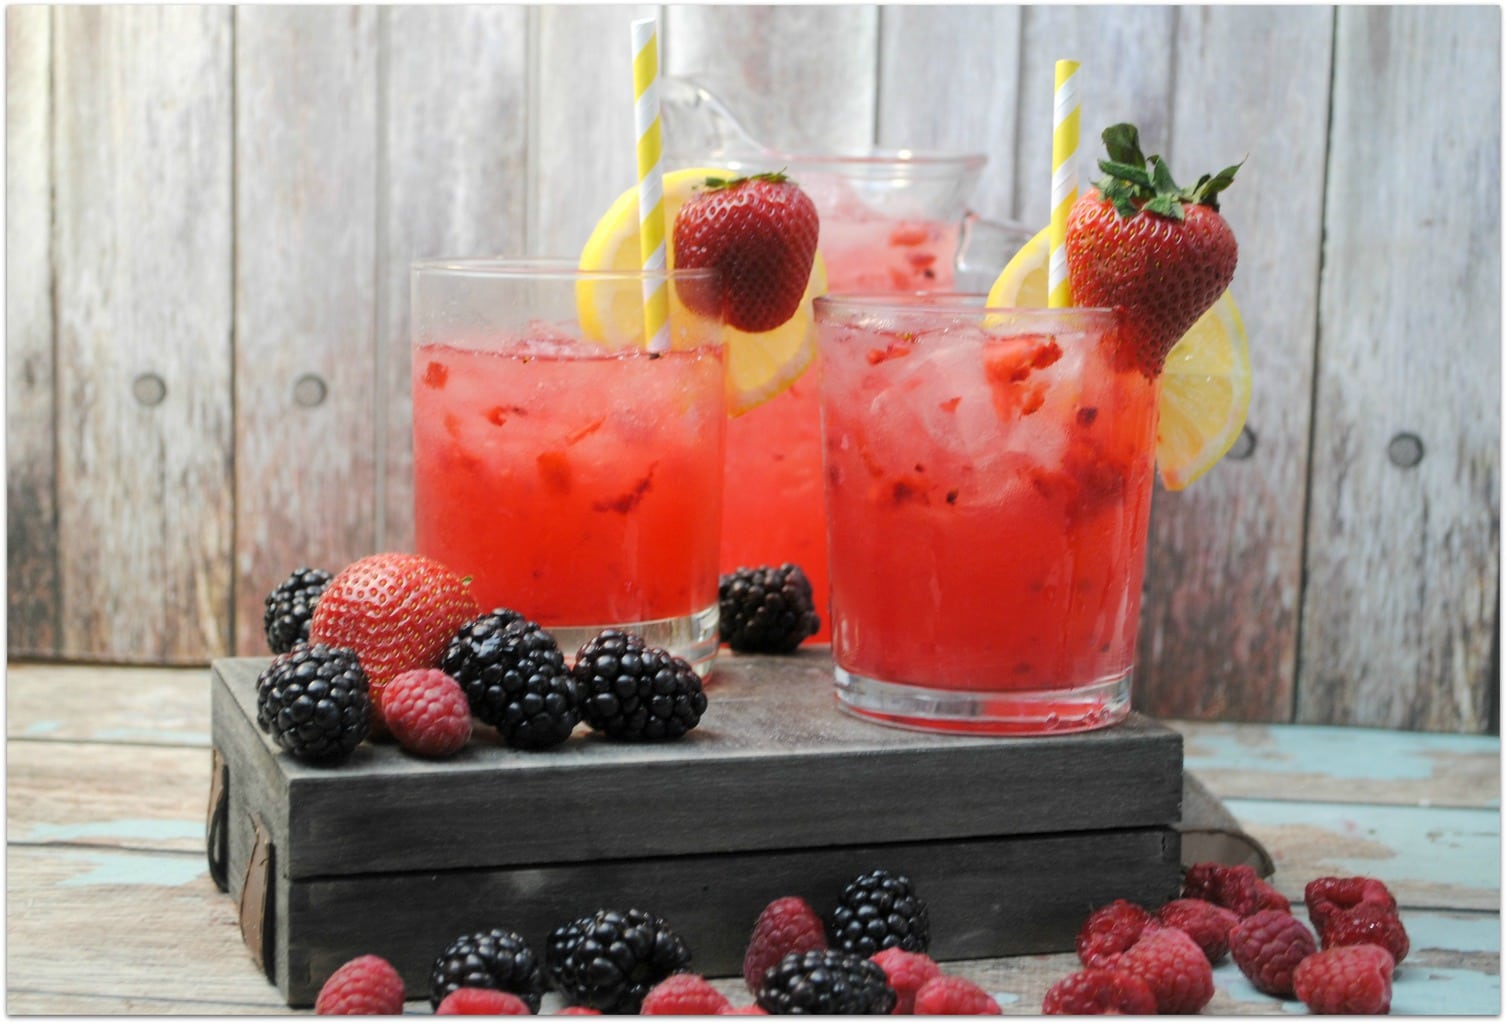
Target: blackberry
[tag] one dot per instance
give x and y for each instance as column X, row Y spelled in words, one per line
column 315, row 702
column 515, row 679
column 766, row 609
column 290, row 607
column 610, row 960
column 632, row 691
column 878, row 910
column 497, row 959
column 826, row 981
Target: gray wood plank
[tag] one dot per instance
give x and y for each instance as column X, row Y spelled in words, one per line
column 143, row 299
column 33, row 591
column 949, row 79
column 1400, row 615
column 1112, row 88
column 306, row 280
column 1219, row 620
column 455, row 153
column 581, row 136
column 798, row 76
column 90, row 703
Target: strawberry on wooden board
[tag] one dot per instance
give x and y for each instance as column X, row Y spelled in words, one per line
column 396, row 611
column 759, row 233
column 1161, row 253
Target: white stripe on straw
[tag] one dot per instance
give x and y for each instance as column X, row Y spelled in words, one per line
column 650, row 181
column 1065, row 115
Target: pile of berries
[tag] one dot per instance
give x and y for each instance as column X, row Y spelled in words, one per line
column 1137, row 961
column 395, row 645
column 632, row 961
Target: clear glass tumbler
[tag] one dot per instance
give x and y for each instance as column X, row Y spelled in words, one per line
column 988, row 488
column 574, row 474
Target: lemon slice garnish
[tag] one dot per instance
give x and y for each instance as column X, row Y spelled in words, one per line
column 1206, row 383
column 759, row 366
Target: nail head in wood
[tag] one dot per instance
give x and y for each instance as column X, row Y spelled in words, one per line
column 149, row 389
column 1405, row 450
column 310, row 390
column 1245, row 445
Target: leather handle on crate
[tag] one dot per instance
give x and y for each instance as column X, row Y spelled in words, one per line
column 255, row 910
column 216, row 836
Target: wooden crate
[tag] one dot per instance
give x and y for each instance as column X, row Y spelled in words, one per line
column 1011, row 841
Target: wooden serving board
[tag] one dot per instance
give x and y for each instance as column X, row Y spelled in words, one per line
column 1011, row 841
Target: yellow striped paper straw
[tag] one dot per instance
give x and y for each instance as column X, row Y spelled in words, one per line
column 651, row 206
column 1065, row 111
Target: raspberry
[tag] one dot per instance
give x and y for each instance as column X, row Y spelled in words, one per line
column 1236, row 888
column 1173, row 967
column 481, row 1002
column 686, row 994
column 787, row 925
column 426, row 712
column 1267, row 946
column 1325, row 895
column 953, row 996
column 907, row 972
column 1346, row 979
column 365, row 985
column 1206, row 924
column 579, row 1011
column 1366, row 922
column 1097, row 991
column 1110, row 931
column 743, row 1011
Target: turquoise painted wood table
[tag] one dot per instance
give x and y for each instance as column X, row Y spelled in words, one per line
column 111, row 910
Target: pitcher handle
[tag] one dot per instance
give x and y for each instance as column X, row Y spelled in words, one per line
column 984, row 247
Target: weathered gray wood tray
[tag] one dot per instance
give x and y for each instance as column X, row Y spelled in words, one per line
column 1011, row 841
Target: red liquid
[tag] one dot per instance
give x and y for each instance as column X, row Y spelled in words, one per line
column 579, row 488
column 988, row 505
column 774, row 511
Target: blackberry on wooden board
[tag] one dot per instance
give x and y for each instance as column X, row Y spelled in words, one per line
column 610, row 960
column 827, row 982
column 497, row 959
column 766, row 609
column 878, row 910
column 515, row 679
column 315, row 703
column 290, row 607
column 629, row 690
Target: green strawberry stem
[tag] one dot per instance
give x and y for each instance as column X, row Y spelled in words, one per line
column 773, row 177
column 1135, row 183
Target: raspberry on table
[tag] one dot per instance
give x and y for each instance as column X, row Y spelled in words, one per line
column 1109, row 931
column 906, row 972
column 1267, row 946
column 951, row 995
column 579, row 1011
column 1346, row 979
column 879, row 909
column 1206, row 924
column 684, row 994
column 1366, row 922
column 1095, row 990
column 426, row 712
column 787, row 925
column 366, row 985
column 1173, row 967
column 1325, row 895
column 484, row 1002
column 1234, row 887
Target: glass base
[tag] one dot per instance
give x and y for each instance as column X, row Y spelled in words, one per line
column 998, row 713
column 693, row 637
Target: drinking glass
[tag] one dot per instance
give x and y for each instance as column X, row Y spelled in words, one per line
column 988, row 487
column 572, row 473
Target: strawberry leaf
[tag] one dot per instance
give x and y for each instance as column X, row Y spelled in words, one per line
column 1128, row 172
column 1123, row 142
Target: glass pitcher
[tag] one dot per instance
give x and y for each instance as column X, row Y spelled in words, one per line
column 891, row 219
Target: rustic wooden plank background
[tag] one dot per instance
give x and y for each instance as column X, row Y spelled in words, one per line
column 210, row 212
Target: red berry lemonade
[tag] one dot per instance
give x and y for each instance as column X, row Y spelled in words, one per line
column 988, row 492
column 576, row 484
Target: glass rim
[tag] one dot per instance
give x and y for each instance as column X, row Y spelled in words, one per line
column 547, row 268
column 947, row 303
column 869, row 160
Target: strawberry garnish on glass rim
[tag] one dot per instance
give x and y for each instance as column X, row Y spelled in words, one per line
column 760, row 233
column 1139, row 242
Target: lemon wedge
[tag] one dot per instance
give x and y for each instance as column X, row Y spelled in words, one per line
column 759, row 366
column 1206, row 383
